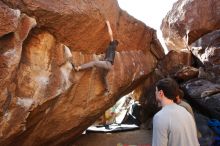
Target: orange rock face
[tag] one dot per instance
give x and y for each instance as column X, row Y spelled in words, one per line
column 53, row 16
column 190, row 18
column 44, row 101
column 174, row 61
column 9, row 19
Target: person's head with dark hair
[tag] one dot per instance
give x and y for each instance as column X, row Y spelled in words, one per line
column 179, row 97
column 166, row 91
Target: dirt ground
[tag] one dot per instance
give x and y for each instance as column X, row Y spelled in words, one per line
column 138, row 137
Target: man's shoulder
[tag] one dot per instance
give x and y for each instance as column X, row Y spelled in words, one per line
column 185, row 104
column 169, row 111
column 159, row 115
column 161, row 120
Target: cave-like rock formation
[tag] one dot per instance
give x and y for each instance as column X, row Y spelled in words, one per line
column 43, row 100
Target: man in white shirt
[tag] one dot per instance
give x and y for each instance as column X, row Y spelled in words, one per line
column 173, row 125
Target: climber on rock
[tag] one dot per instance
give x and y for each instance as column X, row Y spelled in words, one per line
column 109, row 56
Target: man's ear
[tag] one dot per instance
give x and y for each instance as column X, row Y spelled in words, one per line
column 161, row 93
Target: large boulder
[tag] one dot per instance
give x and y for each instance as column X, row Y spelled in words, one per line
column 186, row 73
column 174, row 61
column 205, row 96
column 54, row 15
column 189, row 20
column 45, row 102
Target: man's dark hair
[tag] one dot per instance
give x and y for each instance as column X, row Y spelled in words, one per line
column 169, row 87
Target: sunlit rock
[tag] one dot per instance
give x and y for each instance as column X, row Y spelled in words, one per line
column 188, row 21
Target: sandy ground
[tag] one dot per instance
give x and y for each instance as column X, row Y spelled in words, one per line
column 137, row 137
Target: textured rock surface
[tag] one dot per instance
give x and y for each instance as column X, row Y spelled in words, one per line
column 54, row 15
column 11, row 48
column 174, row 61
column 186, row 73
column 9, row 19
column 201, row 88
column 205, row 95
column 190, row 17
column 44, row 101
column 207, row 49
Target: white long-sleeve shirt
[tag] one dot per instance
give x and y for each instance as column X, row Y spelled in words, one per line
column 174, row 126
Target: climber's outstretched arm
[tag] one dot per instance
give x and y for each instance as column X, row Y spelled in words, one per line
column 109, row 30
